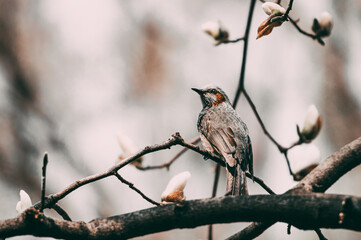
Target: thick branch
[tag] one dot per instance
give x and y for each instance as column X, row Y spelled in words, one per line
column 319, row 210
column 307, row 211
column 320, row 178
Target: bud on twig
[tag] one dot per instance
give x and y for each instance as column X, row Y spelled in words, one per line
column 304, row 159
column 322, row 27
column 311, row 125
column 275, row 13
column 24, row 203
column 174, row 189
column 216, row 31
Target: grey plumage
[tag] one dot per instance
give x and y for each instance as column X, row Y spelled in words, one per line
column 225, row 134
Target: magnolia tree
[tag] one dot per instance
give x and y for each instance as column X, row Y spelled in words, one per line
column 305, row 206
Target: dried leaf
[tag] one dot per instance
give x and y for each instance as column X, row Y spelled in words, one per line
column 267, row 26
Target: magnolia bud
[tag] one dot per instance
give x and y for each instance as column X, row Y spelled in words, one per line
column 174, row 190
column 24, row 203
column 217, row 31
column 275, row 13
column 129, row 148
column 271, row 8
column 304, row 159
column 323, row 26
column 311, row 125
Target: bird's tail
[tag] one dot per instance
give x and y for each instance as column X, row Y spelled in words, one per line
column 236, row 181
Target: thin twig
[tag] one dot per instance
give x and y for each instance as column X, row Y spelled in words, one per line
column 261, row 183
column 289, row 8
column 43, row 182
column 251, row 231
column 286, row 17
column 61, row 212
column 131, row 185
column 253, row 107
column 176, row 139
column 313, row 36
column 164, row 165
column 234, row 41
column 244, row 56
column 282, row 149
column 285, row 153
column 214, row 193
column 170, row 162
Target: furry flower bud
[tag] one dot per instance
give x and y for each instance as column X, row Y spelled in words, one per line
column 24, row 203
column 275, row 19
column 271, row 8
column 311, row 125
column 216, row 31
column 129, row 148
column 322, row 27
column 174, row 190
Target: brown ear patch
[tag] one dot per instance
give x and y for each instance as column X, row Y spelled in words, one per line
column 220, row 98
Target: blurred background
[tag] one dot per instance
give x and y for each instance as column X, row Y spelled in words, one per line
column 75, row 75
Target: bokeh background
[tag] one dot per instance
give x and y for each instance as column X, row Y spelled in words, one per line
column 74, row 75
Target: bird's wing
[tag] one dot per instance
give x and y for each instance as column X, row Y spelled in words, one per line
column 222, row 140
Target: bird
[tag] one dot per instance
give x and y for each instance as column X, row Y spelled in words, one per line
column 224, row 134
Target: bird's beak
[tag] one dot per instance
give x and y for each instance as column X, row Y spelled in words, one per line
column 199, row 91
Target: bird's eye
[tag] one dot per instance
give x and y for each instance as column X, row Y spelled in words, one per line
column 214, row 91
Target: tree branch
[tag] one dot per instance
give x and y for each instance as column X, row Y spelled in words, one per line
column 320, row 210
column 298, row 204
column 244, row 57
column 175, row 139
column 333, row 168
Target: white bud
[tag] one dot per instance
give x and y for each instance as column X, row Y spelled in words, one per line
column 304, row 159
column 311, row 125
column 129, row 148
column 322, row 27
column 326, row 23
column 174, row 190
column 271, row 8
column 216, row 31
column 24, row 203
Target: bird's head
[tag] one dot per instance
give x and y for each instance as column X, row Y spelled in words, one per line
column 211, row 96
